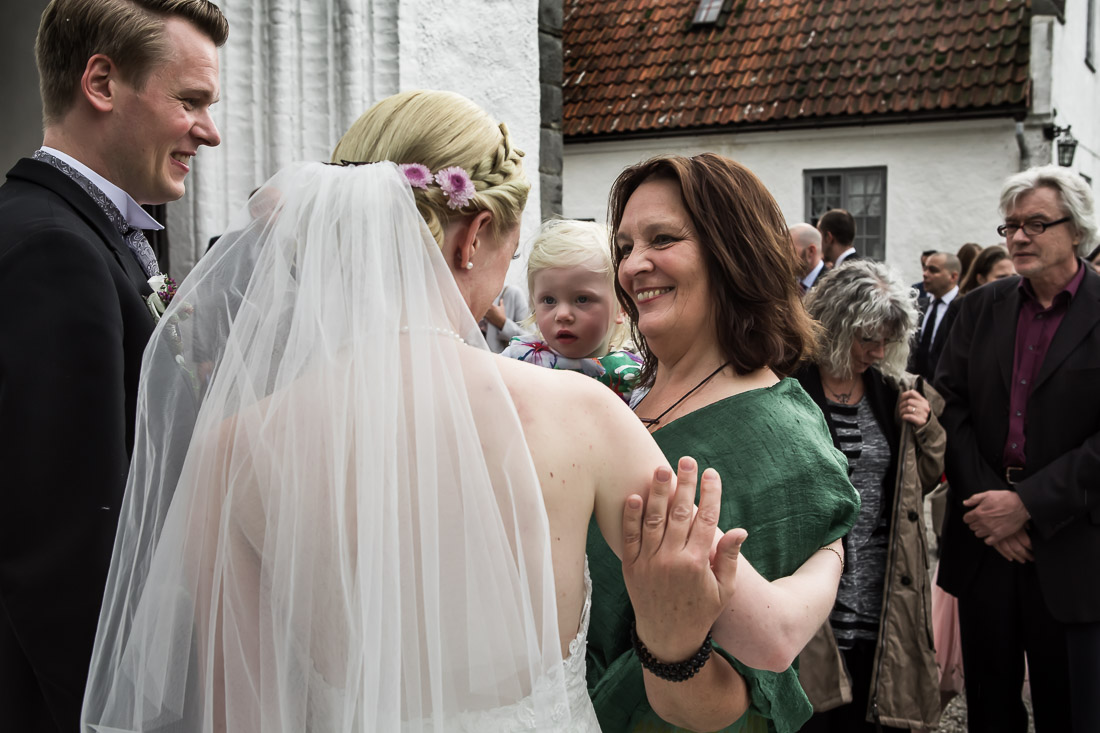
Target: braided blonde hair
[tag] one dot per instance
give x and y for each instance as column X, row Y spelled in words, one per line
column 439, row 130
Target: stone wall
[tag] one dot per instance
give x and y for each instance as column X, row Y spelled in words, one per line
column 550, row 80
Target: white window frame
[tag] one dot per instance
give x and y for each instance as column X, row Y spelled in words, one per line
column 870, row 228
column 707, row 12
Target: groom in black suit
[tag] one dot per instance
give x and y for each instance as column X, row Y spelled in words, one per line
column 126, row 91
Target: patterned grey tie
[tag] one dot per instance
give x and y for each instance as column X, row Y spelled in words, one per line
column 135, row 238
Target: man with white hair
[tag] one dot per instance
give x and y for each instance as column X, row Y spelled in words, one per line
column 807, row 245
column 1021, row 540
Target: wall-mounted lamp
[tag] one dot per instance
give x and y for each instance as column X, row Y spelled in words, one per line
column 1067, row 143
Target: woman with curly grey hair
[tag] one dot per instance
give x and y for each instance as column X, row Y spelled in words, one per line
column 885, row 422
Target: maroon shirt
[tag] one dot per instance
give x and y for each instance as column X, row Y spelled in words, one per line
column 1035, row 329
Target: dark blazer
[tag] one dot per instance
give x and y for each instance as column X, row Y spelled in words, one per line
column 1061, row 484
column 73, row 326
column 926, row 367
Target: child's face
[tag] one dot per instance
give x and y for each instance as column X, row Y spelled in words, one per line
column 574, row 309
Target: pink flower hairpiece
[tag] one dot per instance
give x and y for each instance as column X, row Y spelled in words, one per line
column 453, row 181
column 417, row 174
column 456, row 186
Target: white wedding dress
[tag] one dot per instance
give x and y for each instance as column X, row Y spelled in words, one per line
column 522, row 716
column 332, row 521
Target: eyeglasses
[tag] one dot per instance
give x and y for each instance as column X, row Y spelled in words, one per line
column 1031, row 228
column 868, row 343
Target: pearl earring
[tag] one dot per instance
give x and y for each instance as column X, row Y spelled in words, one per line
column 469, row 265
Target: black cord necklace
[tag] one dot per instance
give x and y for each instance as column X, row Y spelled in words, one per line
column 649, row 422
column 842, row 397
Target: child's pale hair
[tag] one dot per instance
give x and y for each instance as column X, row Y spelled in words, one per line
column 573, row 243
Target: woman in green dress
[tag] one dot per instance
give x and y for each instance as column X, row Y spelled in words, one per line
column 706, row 271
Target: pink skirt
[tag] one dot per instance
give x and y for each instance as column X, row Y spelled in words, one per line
column 945, row 632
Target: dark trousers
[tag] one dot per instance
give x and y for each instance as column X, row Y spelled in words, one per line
column 22, row 705
column 852, row 718
column 1002, row 616
column 1083, row 648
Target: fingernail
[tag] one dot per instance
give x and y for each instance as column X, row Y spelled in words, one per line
column 664, row 473
column 634, row 501
column 710, row 474
column 687, row 463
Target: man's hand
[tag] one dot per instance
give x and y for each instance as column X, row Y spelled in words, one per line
column 678, row 584
column 496, row 315
column 1015, row 548
column 996, row 515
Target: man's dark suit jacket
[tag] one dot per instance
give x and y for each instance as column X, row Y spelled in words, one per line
column 927, row 367
column 73, row 326
column 1061, row 484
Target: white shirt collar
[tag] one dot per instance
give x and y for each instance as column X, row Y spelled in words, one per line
column 811, row 277
column 845, row 255
column 948, row 296
column 131, row 210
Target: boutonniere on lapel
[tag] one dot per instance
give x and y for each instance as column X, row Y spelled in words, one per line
column 164, row 289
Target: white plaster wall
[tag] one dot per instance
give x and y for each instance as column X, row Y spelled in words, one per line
column 296, row 73
column 1075, row 88
column 487, row 50
column 942, row 178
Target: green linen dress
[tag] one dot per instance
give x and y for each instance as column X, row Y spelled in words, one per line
column 784, row 482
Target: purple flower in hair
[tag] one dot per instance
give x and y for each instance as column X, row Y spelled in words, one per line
column 417, row 174
column 456, row 186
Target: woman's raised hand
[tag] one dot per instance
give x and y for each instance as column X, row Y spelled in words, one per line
column 679, row 580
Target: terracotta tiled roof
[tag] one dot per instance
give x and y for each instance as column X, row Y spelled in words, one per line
column 639, row 67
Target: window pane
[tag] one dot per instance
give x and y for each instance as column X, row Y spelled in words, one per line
column 874, row 206
column 862, row 191
column 708, row 10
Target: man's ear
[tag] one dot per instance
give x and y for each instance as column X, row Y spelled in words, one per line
column 97, row 83
column 466, row 233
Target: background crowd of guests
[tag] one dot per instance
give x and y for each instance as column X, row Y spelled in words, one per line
column 1004, row 342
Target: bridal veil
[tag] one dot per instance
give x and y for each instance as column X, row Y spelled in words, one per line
column 332, row 521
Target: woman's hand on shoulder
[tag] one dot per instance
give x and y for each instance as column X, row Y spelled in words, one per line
column 678, row 579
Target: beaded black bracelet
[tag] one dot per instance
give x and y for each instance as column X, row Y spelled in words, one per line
column 674, row 671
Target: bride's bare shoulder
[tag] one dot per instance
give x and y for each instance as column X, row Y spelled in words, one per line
column 558, row 394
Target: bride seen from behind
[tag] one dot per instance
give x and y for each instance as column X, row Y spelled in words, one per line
column 362, row 520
